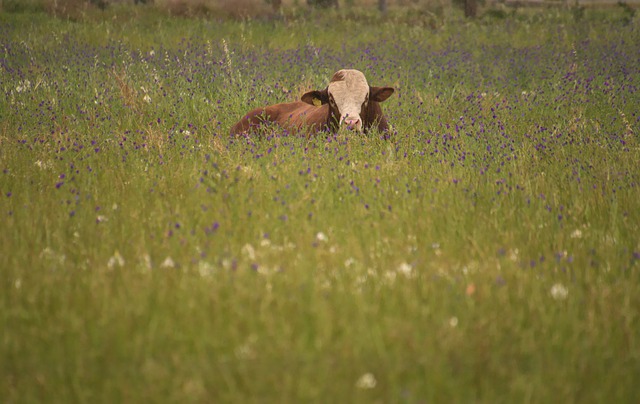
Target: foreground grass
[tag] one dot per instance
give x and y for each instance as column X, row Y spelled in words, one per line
column 487, row 252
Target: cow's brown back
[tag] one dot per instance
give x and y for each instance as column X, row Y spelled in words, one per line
column 295, row 117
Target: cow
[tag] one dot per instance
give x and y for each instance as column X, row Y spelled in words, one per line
column 348, row 101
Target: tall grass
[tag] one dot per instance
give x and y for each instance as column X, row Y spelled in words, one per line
column 487, row 252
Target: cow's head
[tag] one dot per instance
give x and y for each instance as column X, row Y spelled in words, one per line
column 349, row 97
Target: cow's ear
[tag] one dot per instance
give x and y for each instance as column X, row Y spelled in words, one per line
column 380, row 94
column 316, row 97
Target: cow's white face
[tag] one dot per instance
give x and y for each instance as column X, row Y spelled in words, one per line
column 348, row 96
column 352, row 102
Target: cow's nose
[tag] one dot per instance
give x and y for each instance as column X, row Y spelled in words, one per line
column 352, row 123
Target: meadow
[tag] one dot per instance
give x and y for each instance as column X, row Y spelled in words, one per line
column 486, row 250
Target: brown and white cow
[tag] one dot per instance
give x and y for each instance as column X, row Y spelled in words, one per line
column 347, row 101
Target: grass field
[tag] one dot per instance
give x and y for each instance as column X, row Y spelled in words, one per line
column 487, row 252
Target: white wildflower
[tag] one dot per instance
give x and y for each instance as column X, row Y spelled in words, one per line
column 265, row 270
column 366, row 381
column 405, row 269
column 436, row 249
column 559, row 291
column 320, row 236
column 168, row 263
column 249, row 252
column 205, row 269
column 49, row 254
column 146, row 259
column 453, row 322
column 513, row 255
column 23, row 86
column 577, row 233
column 116, row 259
column 44, row 165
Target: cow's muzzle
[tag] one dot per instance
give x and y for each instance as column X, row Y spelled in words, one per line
column 353, row 123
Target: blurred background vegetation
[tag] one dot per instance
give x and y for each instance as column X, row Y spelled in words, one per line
column 270, row 9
